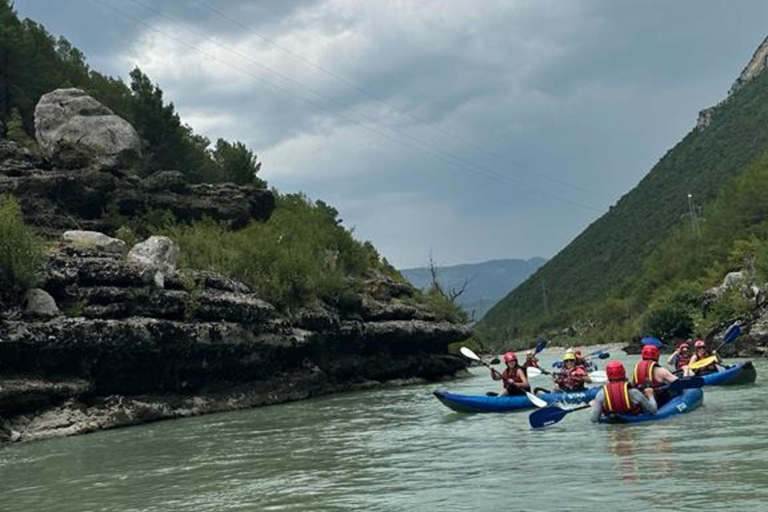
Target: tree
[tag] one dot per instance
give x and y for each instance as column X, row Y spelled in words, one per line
column 237, row 163
column 15, row 131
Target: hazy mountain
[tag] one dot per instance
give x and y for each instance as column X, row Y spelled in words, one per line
column 487, row 282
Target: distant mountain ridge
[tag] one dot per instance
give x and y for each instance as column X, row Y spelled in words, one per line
column 488, row 281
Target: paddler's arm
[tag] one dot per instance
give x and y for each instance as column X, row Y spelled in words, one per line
column 645, row 399
column 665, row 375
column 597, row 407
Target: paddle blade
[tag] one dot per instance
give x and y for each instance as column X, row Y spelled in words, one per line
column 547, row 416
column 681, row 384
column 598, row 376
column 541, row 345
column 651, row 341
column 732, row 333
column 469, row 354
column 597, row 353
column 702, row 363
column 538, row 402
column 532, row 372
column 604, row 355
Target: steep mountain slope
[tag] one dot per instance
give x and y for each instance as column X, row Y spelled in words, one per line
column 609, row 255
column 487, row 282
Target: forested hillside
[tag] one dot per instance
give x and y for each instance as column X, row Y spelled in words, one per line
column 33, row 62
column 596, row 281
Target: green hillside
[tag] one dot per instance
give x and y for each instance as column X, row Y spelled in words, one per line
column 608, row 259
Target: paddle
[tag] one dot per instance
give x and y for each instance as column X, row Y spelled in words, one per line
column 598, row 376
column 541, row 345
column 532, row 371
column 648, row 340
column 469, row 354
column 553, row 414
column 538, row 402
column 731, row 334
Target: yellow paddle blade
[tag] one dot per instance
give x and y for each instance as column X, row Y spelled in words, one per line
column 702, row 363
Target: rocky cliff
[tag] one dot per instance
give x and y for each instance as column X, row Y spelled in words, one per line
column 113, row 337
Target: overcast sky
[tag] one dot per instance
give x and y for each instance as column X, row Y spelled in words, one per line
column 473, row 129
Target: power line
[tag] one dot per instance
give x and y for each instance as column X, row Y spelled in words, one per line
column 433, row 150
column 364, row 92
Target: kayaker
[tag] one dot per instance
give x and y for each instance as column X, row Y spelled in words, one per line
column 571, row 377
column 513, row 377
column 701, row 352
column 617, row 397
column 648, row 373
column 530, row 360
column 680, row 357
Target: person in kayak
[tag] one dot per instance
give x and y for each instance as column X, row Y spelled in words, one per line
column 530, row 360
column 618, row 397
column 513, row 378
column 701, row 352
column 571, row 377
column 680, row 357
column 648, row 373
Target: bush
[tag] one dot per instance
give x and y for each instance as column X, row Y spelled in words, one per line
column 21, row 251
column 668, row 321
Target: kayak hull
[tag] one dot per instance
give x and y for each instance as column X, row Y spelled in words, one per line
column 480, row 403
column 737, row 375
column 685, row 402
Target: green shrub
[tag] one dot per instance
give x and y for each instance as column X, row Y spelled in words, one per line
column 668, row 321
column 21, row 251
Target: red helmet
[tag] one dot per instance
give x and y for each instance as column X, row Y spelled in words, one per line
column 577, row 353
column 509, row 357
column 700, row 344
column 615, row 371
column 683, row 345
column 650, row 352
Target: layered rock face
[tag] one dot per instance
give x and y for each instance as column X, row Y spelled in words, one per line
column 116, row 335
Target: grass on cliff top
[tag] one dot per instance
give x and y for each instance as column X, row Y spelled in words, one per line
column 21, row 251
column 302, row 253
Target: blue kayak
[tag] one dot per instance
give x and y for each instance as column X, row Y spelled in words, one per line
column 685, row 402
column 482, row 403
column 735, row 375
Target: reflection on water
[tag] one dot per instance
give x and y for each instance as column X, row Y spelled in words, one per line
column 400, row 449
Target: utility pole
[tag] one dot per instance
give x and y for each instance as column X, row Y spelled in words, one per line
column 694, row 217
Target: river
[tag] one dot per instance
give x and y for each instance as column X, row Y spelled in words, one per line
column 399, row 449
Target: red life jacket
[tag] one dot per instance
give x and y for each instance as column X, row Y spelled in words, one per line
column 531, row 363
column 617, row 400
column 644, row 371
column 512, row 375
column 571, row 380
column 681, row 360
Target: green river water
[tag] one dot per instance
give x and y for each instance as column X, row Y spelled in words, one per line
column 399, row 449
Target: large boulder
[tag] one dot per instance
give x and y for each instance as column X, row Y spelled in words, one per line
column 75, row 130
column 40, row 304
column 95, row 241
column 156, row 257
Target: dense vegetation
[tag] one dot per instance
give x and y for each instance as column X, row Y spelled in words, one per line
column 625, row 261
column 33, row 62
column 21, row 251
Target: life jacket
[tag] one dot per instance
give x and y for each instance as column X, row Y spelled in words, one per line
column 710, row 368
column 571, row 380
column 531, row 363
column 512, row 375
column 617, row 400
column 644, row 371
column 681, row 360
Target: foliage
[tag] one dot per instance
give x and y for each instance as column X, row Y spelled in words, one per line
column 645, row 242
column 33, row 62
column 302, row 253
column 20, row 250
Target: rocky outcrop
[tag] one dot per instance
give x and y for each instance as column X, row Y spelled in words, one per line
column 94, row 240
column 57, row 199
column 128, row 351
column 754, row 67
column 74, row 130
